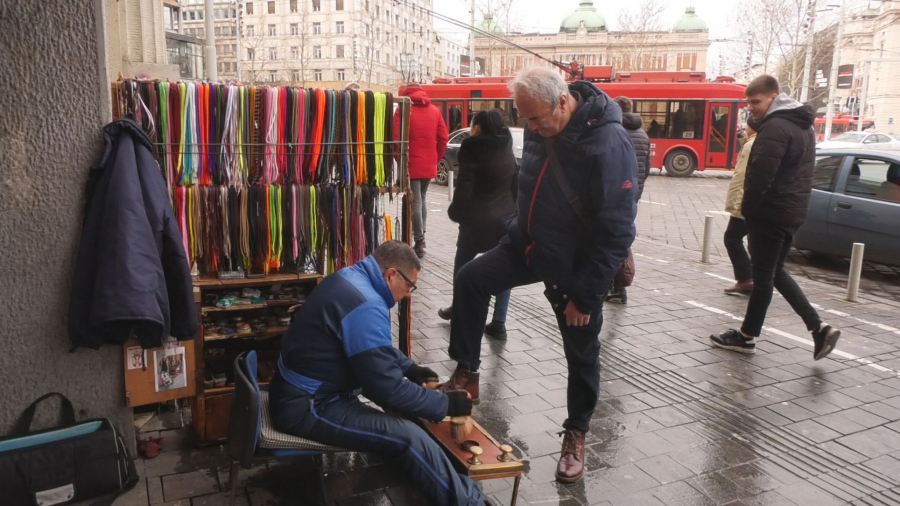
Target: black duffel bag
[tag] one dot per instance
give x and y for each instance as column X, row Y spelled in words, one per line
column 71, row 462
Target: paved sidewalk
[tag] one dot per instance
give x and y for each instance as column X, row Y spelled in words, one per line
column 679, row 422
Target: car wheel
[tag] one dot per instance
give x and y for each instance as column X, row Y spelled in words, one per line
column 680, row 163
column 443, row 170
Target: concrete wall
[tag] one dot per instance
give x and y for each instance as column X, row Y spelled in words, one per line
column 53, row 102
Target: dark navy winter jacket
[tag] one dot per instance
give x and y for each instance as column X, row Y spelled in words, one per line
column 341, row 341
column 576, row 262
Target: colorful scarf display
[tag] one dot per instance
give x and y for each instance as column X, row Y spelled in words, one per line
column 270, row 179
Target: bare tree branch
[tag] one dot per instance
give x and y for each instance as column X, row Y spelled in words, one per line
column 640, row 31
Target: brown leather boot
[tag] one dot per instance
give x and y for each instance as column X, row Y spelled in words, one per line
column 419, row 248
column 741, row 287
column 570, row 468
column 462, row 379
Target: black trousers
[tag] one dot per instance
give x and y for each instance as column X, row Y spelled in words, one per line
column 502, row 269
column 769, row 247
column 734, row 243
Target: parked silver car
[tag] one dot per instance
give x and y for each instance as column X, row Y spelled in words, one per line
column 450, row 161
column 855, row 198
column 861, row 140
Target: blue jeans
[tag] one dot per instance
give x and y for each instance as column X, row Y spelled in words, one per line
column 346, row 422
column 501, row 304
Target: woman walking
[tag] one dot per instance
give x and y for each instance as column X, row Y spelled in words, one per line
column 483, row 201
column 737, row 229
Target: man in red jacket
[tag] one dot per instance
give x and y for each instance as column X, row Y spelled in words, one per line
column 427, row 141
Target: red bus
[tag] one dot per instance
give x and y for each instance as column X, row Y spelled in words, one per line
column 839, row 124
column 692, row 125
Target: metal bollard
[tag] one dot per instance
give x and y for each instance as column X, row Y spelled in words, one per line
column 450, row 185
column 707, row 238
column 856, row 262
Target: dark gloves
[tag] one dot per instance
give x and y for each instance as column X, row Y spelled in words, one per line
column 460, row 404
column 419, row 375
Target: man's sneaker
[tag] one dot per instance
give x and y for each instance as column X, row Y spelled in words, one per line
column 445, row 313
column 826, row 339
column 495, row 330
column 617, row 297
column 735, row 341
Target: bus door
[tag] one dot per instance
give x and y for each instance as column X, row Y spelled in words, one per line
column 722, row 133
column 455, row 116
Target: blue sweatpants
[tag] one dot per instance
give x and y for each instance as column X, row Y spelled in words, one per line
column 348, row 423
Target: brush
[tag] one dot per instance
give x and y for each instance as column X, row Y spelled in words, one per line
column 461, row 427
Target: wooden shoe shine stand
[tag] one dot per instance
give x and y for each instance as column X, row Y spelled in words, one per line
column 479, row 456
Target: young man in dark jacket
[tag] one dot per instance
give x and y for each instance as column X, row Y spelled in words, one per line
column 777, row 187
column 341, row 342
column 572, row 240
column 641, row 142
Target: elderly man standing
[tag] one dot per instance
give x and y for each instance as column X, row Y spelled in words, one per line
column 572, row 229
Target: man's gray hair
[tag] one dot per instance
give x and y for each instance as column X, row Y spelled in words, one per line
column 540, row 83
column 398, row 255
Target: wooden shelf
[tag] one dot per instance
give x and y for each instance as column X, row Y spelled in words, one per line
column 205, row 282
column 226, row 390
column 272, row 332
column 248, row 307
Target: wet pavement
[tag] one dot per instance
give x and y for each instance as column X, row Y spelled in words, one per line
column 678, row 423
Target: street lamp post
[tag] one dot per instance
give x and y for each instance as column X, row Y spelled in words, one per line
column 832, row 80
column 212, row 72
column 807, row 64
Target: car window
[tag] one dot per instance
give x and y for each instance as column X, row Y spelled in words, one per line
column 826, row 172
column 869, row 139
column 458, row 137
column 850, row 137
column 882, row 138
column 874, row 179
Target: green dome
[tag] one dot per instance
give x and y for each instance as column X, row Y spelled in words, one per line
column 690, row 22
column 488, row 25
column 586, row 16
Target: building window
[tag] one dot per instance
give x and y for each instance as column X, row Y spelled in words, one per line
column 251, row 31
column 271, row 7
column 341, row 76
column 295, row 29
column 686, row 61
column 193, row 16
column 272, row 31
column 317, row 75
column 295, row 53
column 249, row 7
column 273, row 76
column 273, row 53
column 339, row 27
column 317, row 51
column 251, row 54
column 200, row 15
column 295, row 75
column 338, row 5
column 294, row 9
column 317, row 5
column 317, row 28
column 338, row 51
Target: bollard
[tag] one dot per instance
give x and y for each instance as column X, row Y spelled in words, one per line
column 707, row 237
column 856, row 261
column 450, row 184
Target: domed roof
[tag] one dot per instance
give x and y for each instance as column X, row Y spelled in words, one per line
column 585, row 16
column 690, row 22
column 488, row 25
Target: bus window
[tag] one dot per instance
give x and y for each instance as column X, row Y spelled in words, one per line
column 454, row 117
column 654, row 116
column 686, row 120
column 506, row 106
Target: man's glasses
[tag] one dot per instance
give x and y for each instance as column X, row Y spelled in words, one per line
column 412, row 286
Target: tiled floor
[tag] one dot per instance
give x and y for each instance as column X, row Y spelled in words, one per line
column 678, row 423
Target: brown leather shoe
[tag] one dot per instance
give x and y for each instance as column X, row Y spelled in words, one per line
column 462, row 379
column 419, row 248
column 570, row 468
column 741, row 287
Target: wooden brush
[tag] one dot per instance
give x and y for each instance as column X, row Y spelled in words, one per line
column 461, row 427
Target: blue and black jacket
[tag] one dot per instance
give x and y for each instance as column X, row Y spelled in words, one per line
column 341, row 341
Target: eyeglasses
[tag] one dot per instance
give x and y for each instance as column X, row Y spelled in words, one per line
column 412, row 286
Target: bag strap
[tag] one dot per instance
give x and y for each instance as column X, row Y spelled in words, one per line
column 67, row 412
column 563, row 181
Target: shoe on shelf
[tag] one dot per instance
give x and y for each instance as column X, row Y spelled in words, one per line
column 445, row 313
column 617, row 297
column 735, row 341
column 826, row 339
column 462, row 379
column 419, row 248
column 496, row 330
column 740, row 288
column 570, row 467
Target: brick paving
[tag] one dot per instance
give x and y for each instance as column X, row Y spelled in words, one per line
column 678, row 423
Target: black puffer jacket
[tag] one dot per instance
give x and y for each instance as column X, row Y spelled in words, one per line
column 483, row 200
column 635, row 126
column 577, row 262
column 779, row 176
